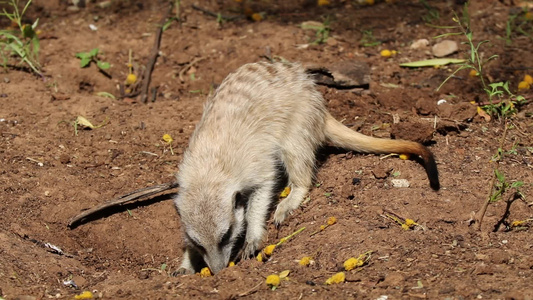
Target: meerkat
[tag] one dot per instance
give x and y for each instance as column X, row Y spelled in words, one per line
column 261, row 117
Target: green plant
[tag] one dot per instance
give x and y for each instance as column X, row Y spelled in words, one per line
column 92, row 56
column 502, row 102
column 368, row 39
column 505, row 103
column 501, row 186
column 518, row 24
column 23, row 41
column 432, row 14
column 321, row 30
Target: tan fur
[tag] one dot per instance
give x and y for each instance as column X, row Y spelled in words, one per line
column 261, row 116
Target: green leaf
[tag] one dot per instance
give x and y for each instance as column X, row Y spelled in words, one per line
column 94, row 52
column 103, row 65
column 517, row 184
column 499, row 175
column 432, row 62
column 85, row 61
column 83, row 55
column 106, row 95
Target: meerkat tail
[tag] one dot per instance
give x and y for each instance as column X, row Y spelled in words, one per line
column 341, row 136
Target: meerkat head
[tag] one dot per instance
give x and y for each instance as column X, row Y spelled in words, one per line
column 213, row 221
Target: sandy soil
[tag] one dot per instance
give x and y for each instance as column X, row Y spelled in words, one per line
column 48, row 174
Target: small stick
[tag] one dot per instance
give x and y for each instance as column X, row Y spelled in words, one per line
column 213, row 14
column 153, row 56
column 187, row 67
column 130, row 197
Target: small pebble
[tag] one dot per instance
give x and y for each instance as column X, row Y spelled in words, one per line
column 400, row 183
column 444, row 48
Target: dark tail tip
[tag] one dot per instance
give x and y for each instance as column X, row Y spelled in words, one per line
column 431, row 170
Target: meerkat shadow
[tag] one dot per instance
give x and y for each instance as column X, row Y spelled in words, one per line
column 104, row 213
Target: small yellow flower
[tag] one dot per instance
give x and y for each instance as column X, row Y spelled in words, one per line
column 352, row 263
column 305, row 261
column 131, row 79
column 337, row 278
column 167, row 138
column 410, row 222
column 273, row 280
column 286, row 191
column 323, row 2
column 322, row 227
column 473, row 73
column 269, row 249
column 406, row 227
column 386, row 53
column 523, row 85
column 405, row 156
column 259, row 257
column 231, row 264
column 257, row 17
column 528, row 79
column 517, row 223
column 332, row 220
column 84, row 295
column 205, row 272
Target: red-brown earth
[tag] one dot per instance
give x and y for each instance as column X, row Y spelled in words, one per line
column 48, row 174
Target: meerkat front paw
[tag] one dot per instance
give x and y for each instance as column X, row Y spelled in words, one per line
column 281, row 214
column 181, row 271
column 249, row 250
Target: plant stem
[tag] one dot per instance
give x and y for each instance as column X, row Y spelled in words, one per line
column 483, row 210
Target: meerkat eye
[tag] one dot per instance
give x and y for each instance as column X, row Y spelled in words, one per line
column 226, row 238
column 195, row 243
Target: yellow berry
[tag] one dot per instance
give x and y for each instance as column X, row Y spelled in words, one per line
column 473, row 73
column 259, row 257
column 273, row 280
column 286, row 191
column 167, row 138
column 352, row 263
column 131, row 79
column 269, row 249
column 410, row 222
column 337, row 278
column 84, row 295
column 231, row 264
column 205, row 272
column 523, row 85
column 305, row 261
column 528, row 79
column 332, row 220
column 386, row 53
column 517, row 223
column 323, row 2
column 257, row 17
column 405, row 156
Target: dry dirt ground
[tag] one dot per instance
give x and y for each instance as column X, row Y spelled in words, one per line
column 48, row 174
